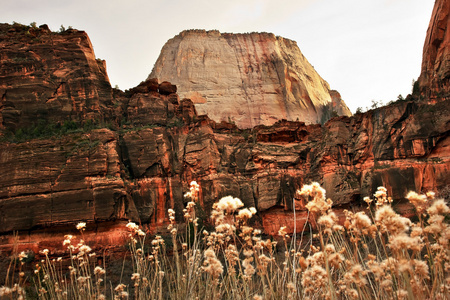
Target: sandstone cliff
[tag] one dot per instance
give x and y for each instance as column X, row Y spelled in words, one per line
column 50, row 76
column 138, row 173
column 142, row 164
column 249, row 79
column 434, row 80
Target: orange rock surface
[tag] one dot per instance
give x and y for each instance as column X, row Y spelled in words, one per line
column 139, row 160
column 434, row 80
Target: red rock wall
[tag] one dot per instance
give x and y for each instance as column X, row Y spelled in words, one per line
column 434, row 80
column 50, row 76
column 137, row 174
column 138, row 170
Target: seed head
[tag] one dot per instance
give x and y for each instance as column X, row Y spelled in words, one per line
column 318, row 204
column 391, row 222
column 282, row 231
column 420, row 202
column 211, row 264
column 439, row 207
column 132, row 226
column 99, row 271
column 81, row 226
column 135, row 276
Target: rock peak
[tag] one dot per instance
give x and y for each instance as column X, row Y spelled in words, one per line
column 434, row 80
column 247, row 78
column 50, row 76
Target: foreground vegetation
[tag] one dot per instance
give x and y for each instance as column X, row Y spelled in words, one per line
column 373, row 254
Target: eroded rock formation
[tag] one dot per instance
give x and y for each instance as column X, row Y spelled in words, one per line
column 138, row 173
column 50, row 76
column 249, row 79
column 434, row 80
column 155, row 144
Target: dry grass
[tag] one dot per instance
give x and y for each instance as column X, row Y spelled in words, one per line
column 373, row 255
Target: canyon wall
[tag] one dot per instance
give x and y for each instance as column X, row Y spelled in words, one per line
column 148, row 144
column 137, row 173
column 248, row 79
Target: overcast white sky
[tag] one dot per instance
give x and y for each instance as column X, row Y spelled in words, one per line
column 366, row 49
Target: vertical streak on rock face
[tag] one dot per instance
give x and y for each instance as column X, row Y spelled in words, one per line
column 161, row 202
column 250, row 79
column 434, row 80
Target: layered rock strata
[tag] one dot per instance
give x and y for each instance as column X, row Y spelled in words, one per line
column 138, row 173
column 50, row 76
column 249, row 79
column 143, row 163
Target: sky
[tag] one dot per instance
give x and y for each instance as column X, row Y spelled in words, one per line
column 368, row 50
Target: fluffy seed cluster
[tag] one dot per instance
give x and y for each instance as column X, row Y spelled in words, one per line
column 225, row 206
column 135, row 229
column 377, row 254
column 81, row 226
column 318, row 204
column 389, row 221
column 211, row 264
column 14, row 292
column 420, row 202
column 194, row 190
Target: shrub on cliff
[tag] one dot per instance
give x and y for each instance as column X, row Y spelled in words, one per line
column 44, row 129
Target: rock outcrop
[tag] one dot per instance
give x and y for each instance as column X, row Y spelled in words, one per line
column 434, row 80
column 248, row 79
column 50, row 76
